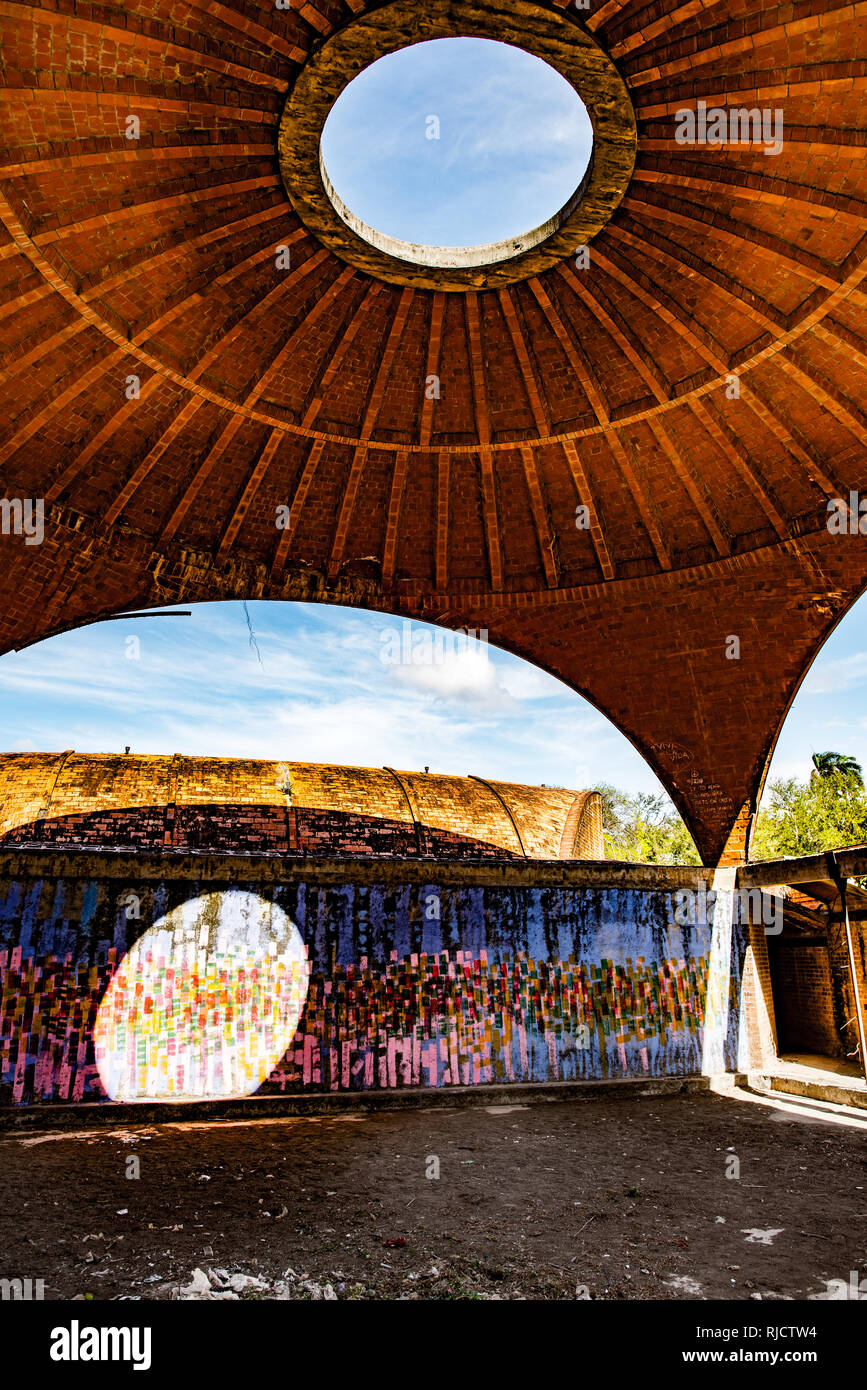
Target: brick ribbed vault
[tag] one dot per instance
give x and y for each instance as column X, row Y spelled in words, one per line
column 603, row 387
column 308, row 808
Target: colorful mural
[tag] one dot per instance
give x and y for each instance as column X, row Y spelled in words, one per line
column 552, row 984
column 465, row 1021
column 205, row 1002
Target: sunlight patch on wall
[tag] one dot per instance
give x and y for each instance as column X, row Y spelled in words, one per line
column 205, row 1003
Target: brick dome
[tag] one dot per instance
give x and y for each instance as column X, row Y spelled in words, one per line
column 608, row 387
column 233, row 804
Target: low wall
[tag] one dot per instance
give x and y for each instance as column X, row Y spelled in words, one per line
column 413, row 974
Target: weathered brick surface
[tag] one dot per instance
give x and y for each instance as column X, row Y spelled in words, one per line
column 804, row 997
column 603, row 387
column 297, row 808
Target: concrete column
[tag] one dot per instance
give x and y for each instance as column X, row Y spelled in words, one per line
column 717, row 1003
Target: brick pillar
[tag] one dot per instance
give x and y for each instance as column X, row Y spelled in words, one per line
column 737, row 844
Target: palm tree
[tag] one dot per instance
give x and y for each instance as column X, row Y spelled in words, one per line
column 837, row 765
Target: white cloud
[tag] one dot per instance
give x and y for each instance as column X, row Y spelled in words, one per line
column 526, row 682
column 467, row 675
column 833, row 677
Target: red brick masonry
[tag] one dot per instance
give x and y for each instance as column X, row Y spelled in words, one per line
column 300, row 808
column 607, row 388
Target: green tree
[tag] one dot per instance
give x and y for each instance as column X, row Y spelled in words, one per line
column 828, row 812
column 836, row 764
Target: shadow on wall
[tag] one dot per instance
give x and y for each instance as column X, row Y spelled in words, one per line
column 409, row 985
column 254, row 829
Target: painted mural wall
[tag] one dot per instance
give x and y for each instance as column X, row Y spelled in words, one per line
column 182, row 989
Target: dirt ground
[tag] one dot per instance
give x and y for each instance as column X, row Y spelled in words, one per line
column 612, row 1199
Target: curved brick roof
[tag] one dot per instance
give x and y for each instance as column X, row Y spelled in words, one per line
column 604, row 387
column 230, row 803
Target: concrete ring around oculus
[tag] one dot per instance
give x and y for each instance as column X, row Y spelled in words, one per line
column 555, row 37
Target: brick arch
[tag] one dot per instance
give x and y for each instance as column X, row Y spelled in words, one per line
column 670, row 726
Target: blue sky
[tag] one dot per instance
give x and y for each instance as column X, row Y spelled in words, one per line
column 514, row 142
column 323, row 693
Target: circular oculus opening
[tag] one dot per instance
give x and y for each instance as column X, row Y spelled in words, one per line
column 442, row 152
column 557, row 40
